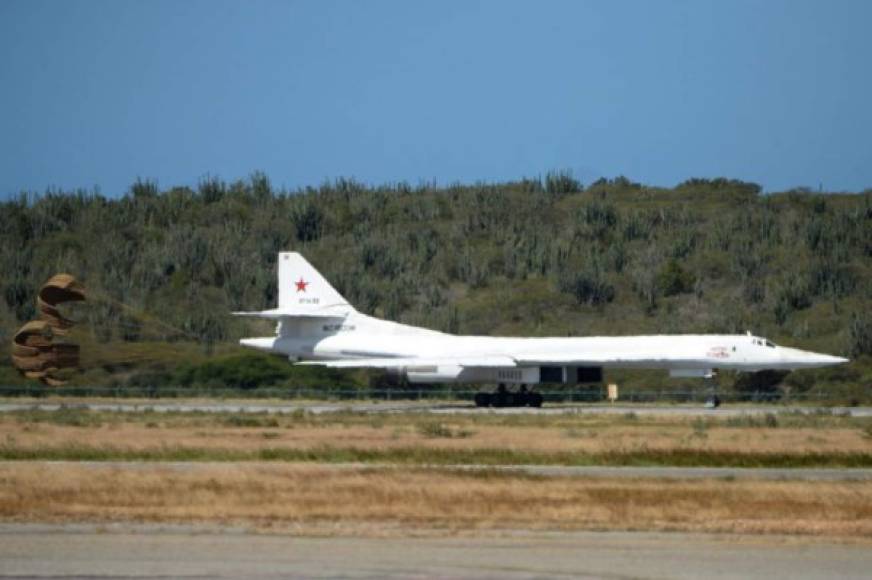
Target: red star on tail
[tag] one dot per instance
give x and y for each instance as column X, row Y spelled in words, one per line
column 301, row 285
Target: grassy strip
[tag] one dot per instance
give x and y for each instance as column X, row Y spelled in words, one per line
column 309, row 497
column 429, row 456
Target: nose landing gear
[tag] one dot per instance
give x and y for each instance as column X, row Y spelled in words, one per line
column 505, row 398
column 713, row 401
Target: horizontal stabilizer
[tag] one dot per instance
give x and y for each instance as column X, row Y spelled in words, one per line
column 280, row 314
column 388, row 363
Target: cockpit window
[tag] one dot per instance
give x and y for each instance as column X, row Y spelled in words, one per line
column 769, row 344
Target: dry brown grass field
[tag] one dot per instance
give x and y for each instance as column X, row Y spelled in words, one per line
column 583, row 434
column 312, row 498
column 421, row 438
column 315, row 499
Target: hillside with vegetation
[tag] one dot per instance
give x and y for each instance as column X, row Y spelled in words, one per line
column 543, row 256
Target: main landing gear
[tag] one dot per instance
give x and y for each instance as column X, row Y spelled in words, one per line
column 504, row 398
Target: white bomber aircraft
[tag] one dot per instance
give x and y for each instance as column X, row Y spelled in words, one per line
column 317, row 326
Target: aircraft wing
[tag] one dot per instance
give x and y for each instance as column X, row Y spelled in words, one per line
column 501, row 361
column 495, row 361
column 596, row 359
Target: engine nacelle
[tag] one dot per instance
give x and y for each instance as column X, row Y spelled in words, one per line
column 436, row 374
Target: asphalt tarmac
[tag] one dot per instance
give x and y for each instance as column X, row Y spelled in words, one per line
column 586, row 471
column 37, row 551
column 429, row 407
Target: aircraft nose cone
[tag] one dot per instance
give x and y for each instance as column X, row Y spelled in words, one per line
column 825, row 359
column 813, row 359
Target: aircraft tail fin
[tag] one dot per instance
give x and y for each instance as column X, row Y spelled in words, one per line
column 303, row 289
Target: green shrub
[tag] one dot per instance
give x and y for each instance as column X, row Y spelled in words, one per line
column 793, row 295
column 860, row 334
column 587, row 287
column 561, row 182
column 673, row 279
column 244, row 371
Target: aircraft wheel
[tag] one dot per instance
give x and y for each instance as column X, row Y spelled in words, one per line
column 713, row 402
column 535, row 400
column 502, row 397
column 482, row 399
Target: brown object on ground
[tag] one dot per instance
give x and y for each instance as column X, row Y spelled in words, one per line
column 36, row 356
column 35, row 350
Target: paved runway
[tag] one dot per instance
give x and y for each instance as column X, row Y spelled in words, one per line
column 39, row 551
column 587, row 471
column 430, row 407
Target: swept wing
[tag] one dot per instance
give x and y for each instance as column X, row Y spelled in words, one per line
column 496, row 361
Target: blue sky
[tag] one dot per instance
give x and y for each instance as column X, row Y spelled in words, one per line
column 98, row 93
